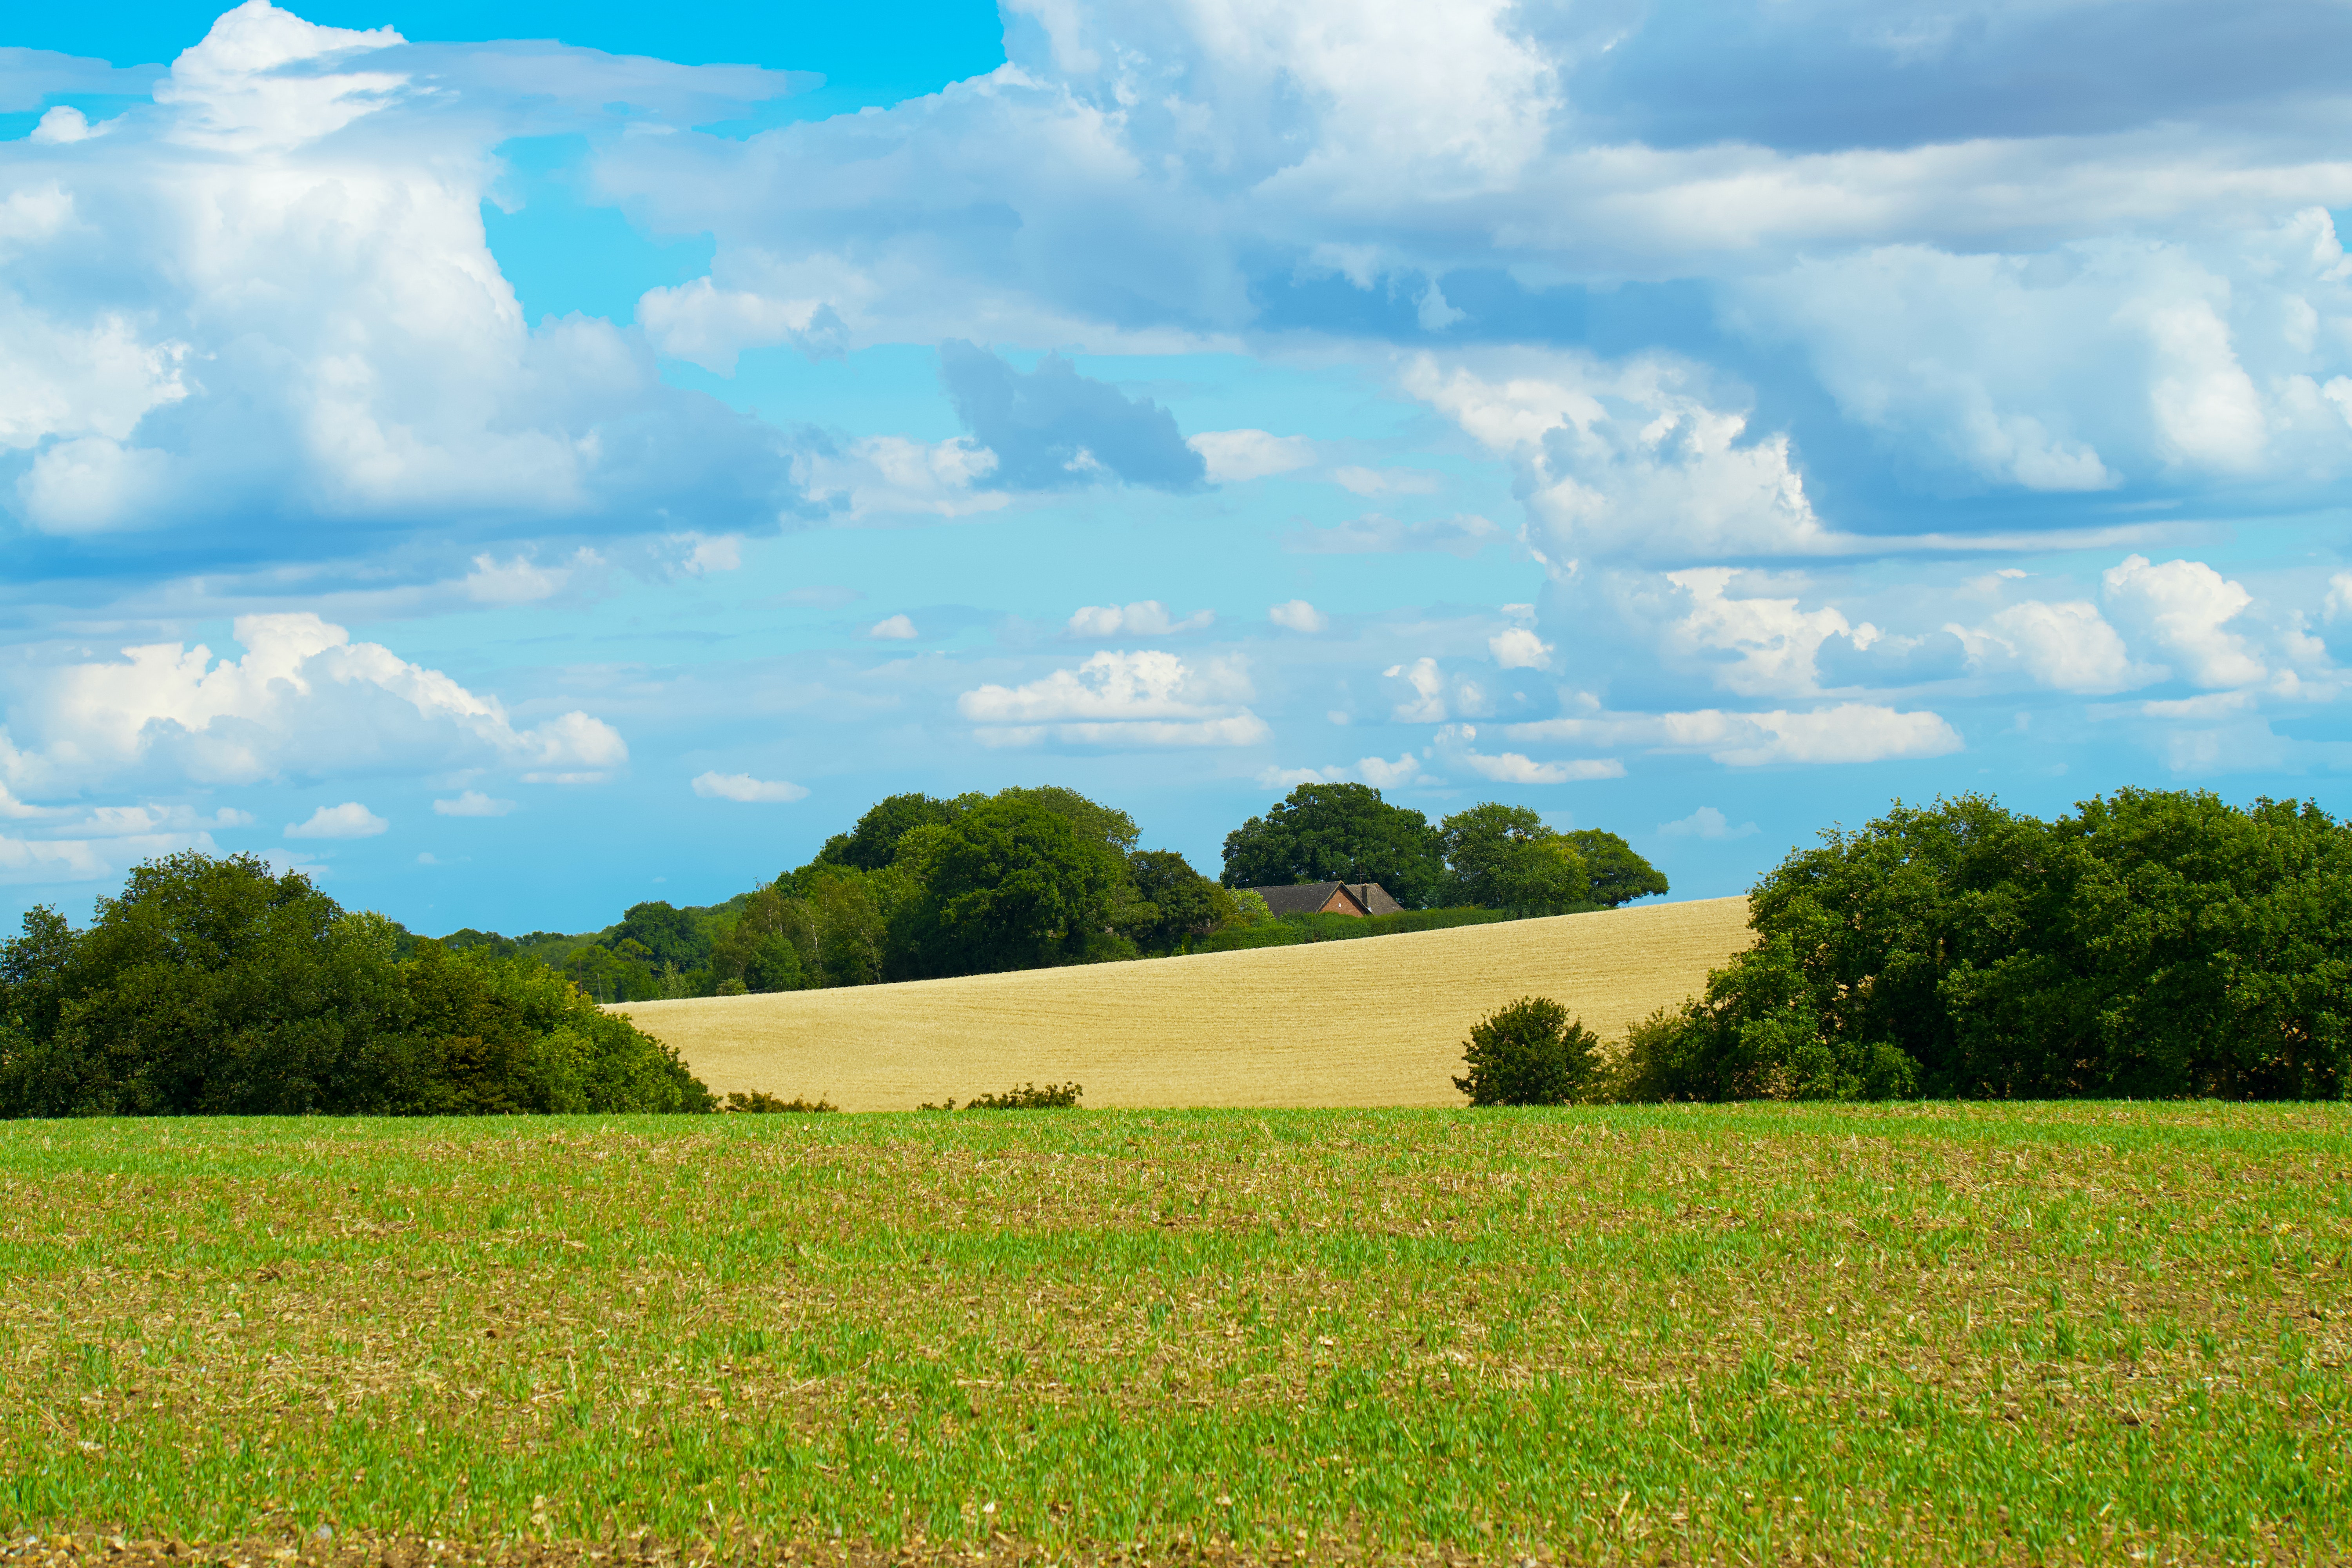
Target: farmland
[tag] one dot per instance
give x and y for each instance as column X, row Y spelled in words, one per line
column 2085, row 1331
column 1371, row 1023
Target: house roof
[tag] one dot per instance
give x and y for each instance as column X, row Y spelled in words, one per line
column 1305, row 898
column 1299, row 898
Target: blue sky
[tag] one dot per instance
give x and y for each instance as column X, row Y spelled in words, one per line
column 515, row 460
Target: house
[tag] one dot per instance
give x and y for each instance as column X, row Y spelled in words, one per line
column 1330, row 898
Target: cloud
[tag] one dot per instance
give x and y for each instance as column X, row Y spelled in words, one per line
column 1434, row 698
column 1707, row 822
column 34, row 861
column 1147, row 618
column 1150, row 698
column 1298, row 616
column 1848, row 733
column 1630, row 461
column 349, row 820
column 1237, row 457
column 893, row 628
column 152, row 820
column 1387, row 481
column 2183, row 607
column 304, row 701
column 889, row 476
column 1373, row 534
column 723, row 554
column 1519, row 648
column 1772, row 641
column 521, row 580
column 472, row 802
column 342, row 355
column 1378, row 772
column 744, row 787
column 2065, row 646
column 1051, row 427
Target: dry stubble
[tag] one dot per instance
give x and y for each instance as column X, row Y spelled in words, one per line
column 1373, row 1022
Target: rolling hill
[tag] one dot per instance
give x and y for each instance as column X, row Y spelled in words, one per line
column 1374, row 1022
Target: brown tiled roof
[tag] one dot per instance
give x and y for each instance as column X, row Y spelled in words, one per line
column 1299, row 898
column 1375, row 898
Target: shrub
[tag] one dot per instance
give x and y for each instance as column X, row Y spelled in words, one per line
column 1028, row 1097
column 2154, row 944
column 1529, row 1053
column 212, row 986
column 760, row 1103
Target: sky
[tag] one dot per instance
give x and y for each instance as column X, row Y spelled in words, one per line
column 512, row 461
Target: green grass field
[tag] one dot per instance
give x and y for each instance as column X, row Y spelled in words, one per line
column 1956, row 1333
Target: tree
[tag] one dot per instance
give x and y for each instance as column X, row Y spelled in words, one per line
column 1113, row 829
column 2154, row 944
column 1618, row 874
column 757, row 951
column 1009, row 885
column 1174, row 901
column 1338, row 832
column 873, row 844
column 207, row 986
column 670, row 936
column 1529, row 1053
column 213, row 986
column 1504, row 857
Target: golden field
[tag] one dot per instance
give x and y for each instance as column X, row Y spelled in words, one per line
column 1374, row 1022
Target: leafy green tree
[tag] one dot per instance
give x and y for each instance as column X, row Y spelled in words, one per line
column 669, row 936
column 757, row 952
column 1529, row 1053
column 208, row 986
column 1504, row 857
column 213, row 986
column 478, row 1034
column 873, row 844
column 1338, row 832
column 1174, row 901
column 2155, row 944
column 1618, row 874
column 1113, row 829
column 1009, row 885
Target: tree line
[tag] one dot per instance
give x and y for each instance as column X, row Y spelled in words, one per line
column 213, row 986
column 923, row 886
column 2150, row 944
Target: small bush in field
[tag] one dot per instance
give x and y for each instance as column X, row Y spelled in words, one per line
column 760, row 1103
column 1529, row 1053
column 1028, row 1097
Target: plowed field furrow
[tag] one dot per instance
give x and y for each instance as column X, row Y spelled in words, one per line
column 1375, row 1021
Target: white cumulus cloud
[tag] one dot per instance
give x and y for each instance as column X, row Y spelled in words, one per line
column 304, row 700
column 1236, row 457
column 1519, row 648
column 1147, row 618
column 1148, row 697
column 893, row 628
column 1298, row 616
column 745, row 788
column 349, row 820
column 1707, row 822
column 472, row 802
column 1848, row 733
column 2184, row 607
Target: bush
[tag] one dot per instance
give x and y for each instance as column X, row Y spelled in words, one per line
column 212, row 986
column 1289, row 930
column 760, row 1103
column 1028, row 1097
column 2155, row 944
column 1529, row 1053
